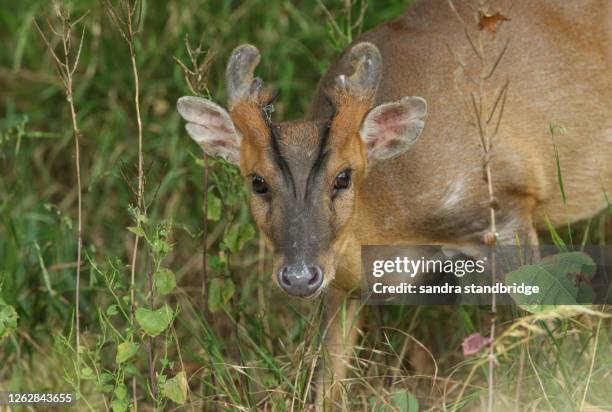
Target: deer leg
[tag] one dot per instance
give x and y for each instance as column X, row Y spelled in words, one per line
column 517, row 239
column 340, row 329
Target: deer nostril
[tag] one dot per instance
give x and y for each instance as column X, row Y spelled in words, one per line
column 316, row 275
column 300, row 280
column 283, row 277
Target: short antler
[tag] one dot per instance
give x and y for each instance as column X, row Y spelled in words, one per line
column 247, row 100
column 366, row 62
column 353, row 96
column 239, row 75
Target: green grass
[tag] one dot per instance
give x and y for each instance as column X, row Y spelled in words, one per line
column 256, row 351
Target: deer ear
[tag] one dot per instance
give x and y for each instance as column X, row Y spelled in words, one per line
column 211, row 127
column 391, row 128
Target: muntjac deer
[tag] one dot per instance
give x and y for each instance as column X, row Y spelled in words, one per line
column 375, row 164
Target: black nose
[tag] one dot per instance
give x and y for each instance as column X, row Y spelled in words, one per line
column 300, row 280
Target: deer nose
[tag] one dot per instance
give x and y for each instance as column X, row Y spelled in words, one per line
column 300, row 280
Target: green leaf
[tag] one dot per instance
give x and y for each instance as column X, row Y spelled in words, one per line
column 130, row 370
column 160, row 247
column 121, row 401
column 125, row 351
column 228, row 290
column 119, row 405
column 164, row 281
column 8, row 320
column 237, row 235
column 585, row 294
column 553, row 289
column 87, row 373
column 121, row 391
column 106, row 377
column 214, row 207
column 154, row 322
column 175, row 388
column 247, row 232
column 230, row 238
column 215, row 300
column 219, row 293
column 216, row 263
column 570, row 263
column 137, row 230
column 112, row 310
column 556, row 277
column 405, row 401
column 402, row 401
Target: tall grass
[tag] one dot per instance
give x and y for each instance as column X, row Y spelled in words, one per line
column 246, row 345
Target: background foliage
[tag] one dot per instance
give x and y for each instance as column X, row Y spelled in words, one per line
column 247, row 346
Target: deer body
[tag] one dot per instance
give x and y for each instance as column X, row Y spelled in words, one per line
column 557, row 65
column 368, row 166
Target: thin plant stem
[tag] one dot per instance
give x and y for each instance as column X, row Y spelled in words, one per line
column 127, row 24
column 66, row 70
column 204, row 286
column 588, row 382
column 204, row 291
column 486, row 139
column 141, row 208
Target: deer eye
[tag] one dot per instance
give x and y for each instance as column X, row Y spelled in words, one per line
column 343, row 180
column 258, row 184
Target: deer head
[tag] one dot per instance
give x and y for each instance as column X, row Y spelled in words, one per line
column 305, row 176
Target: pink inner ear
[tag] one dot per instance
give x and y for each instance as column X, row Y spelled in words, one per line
column 392, row 143
column 214, row 120
column 390, row 116
column 390, row 124
column 391, row 121
column 221, row 143
column 391, row 128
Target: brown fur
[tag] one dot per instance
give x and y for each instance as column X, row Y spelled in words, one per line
column 557, row 65
column 556, row 69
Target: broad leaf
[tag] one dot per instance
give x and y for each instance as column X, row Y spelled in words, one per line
column 137, row 230
column 8, row 320
column 554, row 289
column 112, row 310
column 121, row 401
column 228, row 290
column 405, row 401
column 121, row 391
column 559, row 278
column 214, row 207
column 164, row 281
column 585, row 294
column 230, row 238
column 125, row 351
column 570, row 263
column 402, row 401
column 214, row 295
column 154, row 322
column 87, row 373
column 175, row 388
column 219, row 293
column 119, row 405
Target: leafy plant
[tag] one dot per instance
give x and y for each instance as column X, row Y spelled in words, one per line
column 563, row 279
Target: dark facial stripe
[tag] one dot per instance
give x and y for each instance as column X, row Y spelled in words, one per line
column 278, row 157
column 322, row 153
